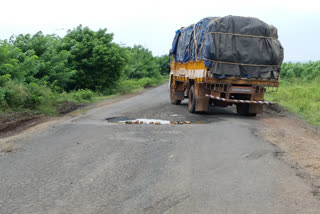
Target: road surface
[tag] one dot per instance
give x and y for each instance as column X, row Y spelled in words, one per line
column 86, row 164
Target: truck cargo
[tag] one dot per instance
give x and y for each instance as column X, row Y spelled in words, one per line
column 223, row 61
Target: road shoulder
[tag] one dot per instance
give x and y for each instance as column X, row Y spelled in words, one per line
column 299, row 142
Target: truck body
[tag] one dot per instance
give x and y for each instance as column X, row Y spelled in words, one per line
column 225, row 61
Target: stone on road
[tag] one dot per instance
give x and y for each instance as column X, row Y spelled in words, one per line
column 215, row 164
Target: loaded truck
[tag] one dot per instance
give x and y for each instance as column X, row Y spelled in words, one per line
column 224, row 61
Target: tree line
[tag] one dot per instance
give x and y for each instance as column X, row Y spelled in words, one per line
column 36, row 68
column 306, row 72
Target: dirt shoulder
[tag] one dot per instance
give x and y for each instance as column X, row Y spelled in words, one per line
column 299, row 141
column 12, row 123
column 16, row 122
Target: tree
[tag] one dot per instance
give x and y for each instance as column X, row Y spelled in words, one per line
column 163, row 62
column 141, row 63
column 98, row 61
column 44, row 60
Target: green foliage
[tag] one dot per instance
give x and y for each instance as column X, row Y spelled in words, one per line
column 82, row 95
column 130, row 85
column 37, row 59
column 17, row 96
column 98, row 62
column 302, row 71
column 39, row 71
column 141, row 63
column 163, row 62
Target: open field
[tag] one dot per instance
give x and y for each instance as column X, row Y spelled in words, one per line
column 301, row 98
column 299, row 90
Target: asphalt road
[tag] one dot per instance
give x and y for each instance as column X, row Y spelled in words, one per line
column 86, row 164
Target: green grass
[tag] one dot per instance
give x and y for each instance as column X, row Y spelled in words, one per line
column 133, row 85
column 300, row 97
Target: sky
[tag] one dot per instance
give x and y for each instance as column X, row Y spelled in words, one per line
column 153, row 23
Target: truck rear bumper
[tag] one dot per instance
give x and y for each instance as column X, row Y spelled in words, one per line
column 239, row 101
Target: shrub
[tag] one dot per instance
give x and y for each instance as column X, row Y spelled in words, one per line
column 127, row 86
column 82, row 95
column 16, row 94
column 41, row 97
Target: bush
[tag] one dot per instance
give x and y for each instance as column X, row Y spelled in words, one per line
column 82, row 95
column 41, row 98
column 16, row 94
column 3, row 101
column 127, row 86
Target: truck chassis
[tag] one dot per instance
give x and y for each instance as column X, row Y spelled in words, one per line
column 191, row 80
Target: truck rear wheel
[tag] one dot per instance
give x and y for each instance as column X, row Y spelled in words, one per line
column 172, row 95
column 192, row 100
column 243, row 109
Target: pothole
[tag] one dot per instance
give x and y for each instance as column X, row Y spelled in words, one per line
column 118, row 119
column 128, row 120
column 145, row 121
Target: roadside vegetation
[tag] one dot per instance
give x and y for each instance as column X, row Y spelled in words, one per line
column 38, row 72
column 299, row 90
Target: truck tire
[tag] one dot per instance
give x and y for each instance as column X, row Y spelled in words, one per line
column 243, row 109
column 172, row 95
column 192, row 100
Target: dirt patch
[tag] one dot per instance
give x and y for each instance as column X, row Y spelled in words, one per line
column 8, row 147
column 67, row 106
column 11, row 123
column 299, row 140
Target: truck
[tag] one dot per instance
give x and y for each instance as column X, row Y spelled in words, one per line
column 224, row 61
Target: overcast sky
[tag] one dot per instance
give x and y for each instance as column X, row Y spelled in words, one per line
column 153, row 23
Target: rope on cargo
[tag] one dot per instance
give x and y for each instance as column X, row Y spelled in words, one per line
column 234, row 63
column 206, row 35
column 244, row 35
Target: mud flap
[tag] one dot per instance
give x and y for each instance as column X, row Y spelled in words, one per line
column 179, row 95
column 202, row 103
column 255, row 108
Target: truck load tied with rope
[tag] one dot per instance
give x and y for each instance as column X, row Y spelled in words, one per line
column 224, row 61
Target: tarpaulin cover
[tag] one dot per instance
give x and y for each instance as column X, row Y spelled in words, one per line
column 231, row 46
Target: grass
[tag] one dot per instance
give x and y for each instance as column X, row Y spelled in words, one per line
column 299, row 97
